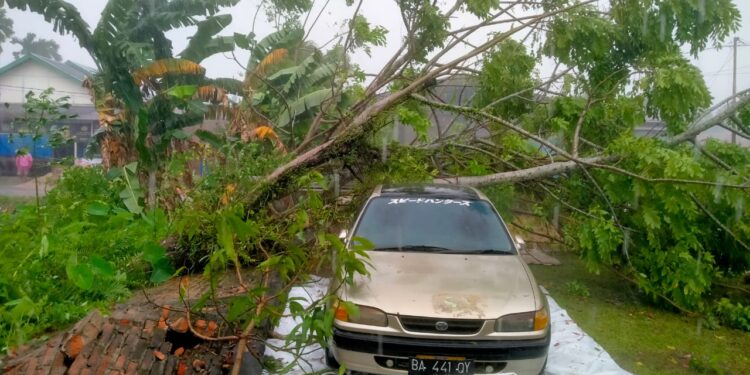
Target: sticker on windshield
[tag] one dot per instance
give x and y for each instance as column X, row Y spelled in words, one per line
column 429, row 201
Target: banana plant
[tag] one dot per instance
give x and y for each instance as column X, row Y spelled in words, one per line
column 134, row 57
column 140, row 88
column 288, row 81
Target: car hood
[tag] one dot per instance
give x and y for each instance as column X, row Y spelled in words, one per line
column 444, row 285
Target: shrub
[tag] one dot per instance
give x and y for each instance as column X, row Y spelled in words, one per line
column 733, row 315
column 79, row 250
column 577, row 289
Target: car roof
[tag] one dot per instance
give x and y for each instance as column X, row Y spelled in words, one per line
column 428, row 190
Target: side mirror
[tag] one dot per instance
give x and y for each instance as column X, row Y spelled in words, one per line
column 520, row 243
column 343, row 234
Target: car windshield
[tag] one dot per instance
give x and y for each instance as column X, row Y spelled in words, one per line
column 433, row 225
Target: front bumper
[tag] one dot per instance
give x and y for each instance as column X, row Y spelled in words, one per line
column 367, row 352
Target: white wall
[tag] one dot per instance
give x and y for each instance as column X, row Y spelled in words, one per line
column 32, row 75
column 722, row 135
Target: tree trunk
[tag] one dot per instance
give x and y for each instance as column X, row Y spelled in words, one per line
column 340, row 144
column 701, row 124
column 534, row 173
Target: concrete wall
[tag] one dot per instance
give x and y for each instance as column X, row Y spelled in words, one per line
column 33, row 76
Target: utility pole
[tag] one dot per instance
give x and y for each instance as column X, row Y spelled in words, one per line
column 734, row 80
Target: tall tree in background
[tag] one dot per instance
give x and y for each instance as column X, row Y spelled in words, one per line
column 43, row 47
column 6, row 28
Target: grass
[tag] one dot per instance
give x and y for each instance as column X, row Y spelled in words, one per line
column 10, row 203
column 641, row 338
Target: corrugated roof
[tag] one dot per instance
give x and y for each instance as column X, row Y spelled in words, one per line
column 69, row 69
column 86, row 70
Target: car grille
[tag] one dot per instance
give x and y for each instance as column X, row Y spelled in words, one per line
column 429, row 325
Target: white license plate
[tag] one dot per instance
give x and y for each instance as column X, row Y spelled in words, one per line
column 419, row 366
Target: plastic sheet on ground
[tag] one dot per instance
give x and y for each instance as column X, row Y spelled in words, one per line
column 571, row 350
column 312, row 358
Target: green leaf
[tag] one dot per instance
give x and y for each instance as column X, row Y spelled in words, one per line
column 482, row 8
column 182, row 91
column 350, row 308
column 101, row 266
column 295, row 308
column 203, row 44
column 65, row 17
column 180, row 134
column 79, row 274
column 22, row 307
column 162, row 271
column 361, row 243
column 44, row 248
column 154, row 253
column 287, row 38
column 238, row 307
column 651, row 217
column 364, row 35
column 132, row 167
column 244, row 41
column 212, row 139
column 225, row 238
column 416, row 120
column 132, row 204
column 303, row 105
column 198, row 305
column 98, row 208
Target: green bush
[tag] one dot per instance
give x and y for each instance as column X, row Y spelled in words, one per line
column 79, row 250
column 733, row 315
column 671, row 239
column 577, row 288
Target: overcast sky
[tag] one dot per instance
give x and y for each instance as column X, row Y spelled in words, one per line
column 716, row 64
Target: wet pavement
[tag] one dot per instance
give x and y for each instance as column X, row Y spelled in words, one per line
column 16, row 187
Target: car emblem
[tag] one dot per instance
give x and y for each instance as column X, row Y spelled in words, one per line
column 441, row 326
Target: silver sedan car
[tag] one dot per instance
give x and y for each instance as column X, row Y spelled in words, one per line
column 447, row 292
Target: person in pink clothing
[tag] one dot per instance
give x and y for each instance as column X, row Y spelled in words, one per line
column 24, row 161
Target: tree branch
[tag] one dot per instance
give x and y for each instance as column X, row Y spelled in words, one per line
column 579, row 125
column 718, row 222
column 575, row 162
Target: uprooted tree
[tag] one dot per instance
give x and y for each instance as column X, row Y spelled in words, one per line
column 667, row 212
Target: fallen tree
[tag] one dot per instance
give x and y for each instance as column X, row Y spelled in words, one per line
column 668, row 212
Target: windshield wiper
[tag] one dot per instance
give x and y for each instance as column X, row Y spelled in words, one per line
column 436, row 249
column 490, row 251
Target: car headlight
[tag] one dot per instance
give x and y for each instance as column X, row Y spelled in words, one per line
column 523, row 322
column 363, row 315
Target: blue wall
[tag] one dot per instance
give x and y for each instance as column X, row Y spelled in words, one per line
column 8, row 148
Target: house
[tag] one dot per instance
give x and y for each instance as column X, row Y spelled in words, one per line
column 36, row 73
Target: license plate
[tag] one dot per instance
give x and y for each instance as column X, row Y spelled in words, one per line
column 422, row 366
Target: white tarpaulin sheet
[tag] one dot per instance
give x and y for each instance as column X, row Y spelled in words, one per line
column 313, row 357
column 571, row 352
